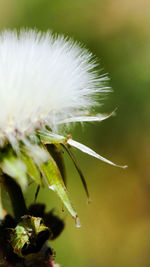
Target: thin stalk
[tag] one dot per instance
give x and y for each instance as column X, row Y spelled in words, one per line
column 16, row 196
column 1, row 207
column 79, row 171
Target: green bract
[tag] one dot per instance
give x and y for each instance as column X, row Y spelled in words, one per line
column 40, row 157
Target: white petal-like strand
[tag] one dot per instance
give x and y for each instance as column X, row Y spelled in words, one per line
column 98, row 117
column 43, row 80
column 92, row 153
column 51, row 138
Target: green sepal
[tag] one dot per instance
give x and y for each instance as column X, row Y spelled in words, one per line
column 57, row 154
column 79, row 171
column 15, row 168
column 48, row 137
column 52, row 142
column 29, row 236
column 19, row 238
column 32, row 169
column 55, row 182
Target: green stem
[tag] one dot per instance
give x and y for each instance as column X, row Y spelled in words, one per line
column 1, row 208
column 16, row 196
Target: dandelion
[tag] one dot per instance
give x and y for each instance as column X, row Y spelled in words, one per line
column 47, row 82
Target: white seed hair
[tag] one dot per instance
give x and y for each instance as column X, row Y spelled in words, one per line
column 44, row 79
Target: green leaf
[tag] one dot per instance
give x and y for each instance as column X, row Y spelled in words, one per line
column 55, row 182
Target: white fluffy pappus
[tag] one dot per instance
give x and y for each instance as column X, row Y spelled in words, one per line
column 44, row 79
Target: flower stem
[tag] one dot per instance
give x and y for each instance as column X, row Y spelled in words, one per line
column 16, row 196
column 1, row 208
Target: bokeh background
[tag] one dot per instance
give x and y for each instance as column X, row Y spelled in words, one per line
column 115, row 228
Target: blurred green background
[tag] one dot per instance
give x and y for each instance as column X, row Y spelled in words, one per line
column 115, row 228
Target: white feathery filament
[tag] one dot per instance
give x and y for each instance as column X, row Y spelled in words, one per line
column 44, row 79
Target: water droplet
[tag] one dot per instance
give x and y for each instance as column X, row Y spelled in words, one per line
column 89, row 201
column 78, row 224
column 51, row 187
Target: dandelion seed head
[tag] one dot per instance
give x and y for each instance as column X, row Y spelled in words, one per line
column 43, row 79
column 46, row 81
